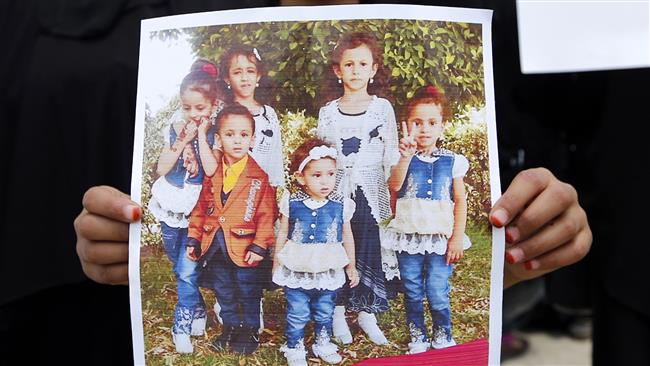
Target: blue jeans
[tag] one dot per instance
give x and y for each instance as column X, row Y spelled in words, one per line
column 426, row 274
column 302, row 305
column 238, row 289
column 189, row 297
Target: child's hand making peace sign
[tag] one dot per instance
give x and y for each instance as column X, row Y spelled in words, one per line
column 407, row 145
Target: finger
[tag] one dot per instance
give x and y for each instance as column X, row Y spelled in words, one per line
column 412, row 132
column 115, row 274
column 247, row 257
column 553, row 201
column 405, row 131
column 103, row 252
column 99, row 228
column 556, row 233
column 564, row 255
column 109, row 202
column 526, row 185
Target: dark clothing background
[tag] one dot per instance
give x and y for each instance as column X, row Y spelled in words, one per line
column 68, row 73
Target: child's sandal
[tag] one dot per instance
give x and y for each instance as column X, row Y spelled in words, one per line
column 296, row 356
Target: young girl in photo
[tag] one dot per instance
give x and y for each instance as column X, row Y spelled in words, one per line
column 428, row 230
column 185, row 160
column 361, row 125
column 243, row 73
column 314, row 251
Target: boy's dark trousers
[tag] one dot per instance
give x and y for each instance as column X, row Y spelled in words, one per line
column 238, row 289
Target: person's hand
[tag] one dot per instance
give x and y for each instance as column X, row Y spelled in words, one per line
column 204, row 126
column 545, row 226
column 102, row 230
column 190, row 163
column 193, row 253
column 353, row 275
column 407, row 145
column 454, row 249
column 189, row 132
column 251, row 258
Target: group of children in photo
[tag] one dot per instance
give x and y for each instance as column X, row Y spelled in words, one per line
column 359, row 194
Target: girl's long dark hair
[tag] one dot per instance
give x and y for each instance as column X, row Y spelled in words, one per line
column 380, row 87
column 262, row 92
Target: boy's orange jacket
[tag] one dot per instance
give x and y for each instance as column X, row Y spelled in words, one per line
column 247, row 218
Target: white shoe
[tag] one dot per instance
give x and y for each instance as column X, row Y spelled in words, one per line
column 440, row 340
column 327, row 351
column 183, row 343
column 217, row 311
column 340, row 326
column 198, row 326
column 368, row 323
column 295, row 356
column 198, row 322
column 418, row 347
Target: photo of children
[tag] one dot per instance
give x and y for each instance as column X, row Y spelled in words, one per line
column 313, row 186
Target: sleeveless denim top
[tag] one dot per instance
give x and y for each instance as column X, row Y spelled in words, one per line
column 429, row 180
column 176, row 175
column 321, row 225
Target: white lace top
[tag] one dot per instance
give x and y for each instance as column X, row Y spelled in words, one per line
column 267, row 151
column 367, row 149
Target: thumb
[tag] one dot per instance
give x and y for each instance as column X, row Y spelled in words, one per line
column 111, row 203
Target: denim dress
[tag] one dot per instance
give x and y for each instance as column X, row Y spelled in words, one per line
column 423, row 223
column 313, row 256
column 312, row 263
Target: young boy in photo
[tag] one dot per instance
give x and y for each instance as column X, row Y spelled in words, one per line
column 231, row 230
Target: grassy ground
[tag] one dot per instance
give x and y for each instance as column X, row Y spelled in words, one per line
column 469, row 301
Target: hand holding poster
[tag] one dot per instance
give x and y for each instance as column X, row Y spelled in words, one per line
column 315, row 175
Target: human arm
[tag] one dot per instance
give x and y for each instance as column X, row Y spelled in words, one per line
column 102, row 230
column 281, row 240
column 546, row 228
column 208, row 159
column 407, row 148
column 170, row 153
column 348, row 245
column 455, row 242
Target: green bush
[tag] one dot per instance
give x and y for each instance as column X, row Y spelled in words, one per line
column 416, row 53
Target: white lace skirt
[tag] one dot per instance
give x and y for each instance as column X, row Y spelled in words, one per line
column 311, row 266
column 173, row 205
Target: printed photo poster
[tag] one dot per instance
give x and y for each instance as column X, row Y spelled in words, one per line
column 316, row 183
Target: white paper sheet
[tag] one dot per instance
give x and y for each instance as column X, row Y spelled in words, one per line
column 583, row 35
column 152, row 283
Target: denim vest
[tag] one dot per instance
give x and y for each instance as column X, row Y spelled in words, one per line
column 429, row 180
column 177, row 174
column 322, row 225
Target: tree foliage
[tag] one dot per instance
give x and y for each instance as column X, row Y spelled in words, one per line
column 416, row 53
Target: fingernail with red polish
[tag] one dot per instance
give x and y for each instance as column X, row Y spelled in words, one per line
column 512, row 234
column 500, row 217
column 514, row 255
column 137, row 213
column 531, row 265
column 132, row 212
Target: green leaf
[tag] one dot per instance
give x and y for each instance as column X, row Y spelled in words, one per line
column 395, row 72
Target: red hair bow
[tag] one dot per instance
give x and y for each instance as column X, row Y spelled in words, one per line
column 210, row 69
column 432, row 90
